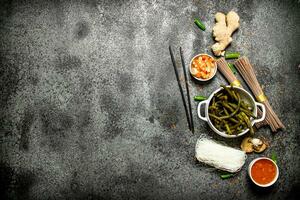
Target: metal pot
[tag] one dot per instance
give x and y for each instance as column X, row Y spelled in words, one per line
column 245, row 96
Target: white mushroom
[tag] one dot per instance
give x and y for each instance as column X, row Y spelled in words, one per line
column 253, row 144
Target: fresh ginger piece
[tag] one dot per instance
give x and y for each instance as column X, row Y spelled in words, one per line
column 223, row 29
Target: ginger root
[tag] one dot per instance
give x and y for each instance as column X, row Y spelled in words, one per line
column 223, row 29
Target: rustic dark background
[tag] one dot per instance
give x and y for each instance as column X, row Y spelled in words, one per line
column 90, row 107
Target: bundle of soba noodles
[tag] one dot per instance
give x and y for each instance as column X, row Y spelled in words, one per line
column 232, row 79
column 246, row 70
column 219, row 156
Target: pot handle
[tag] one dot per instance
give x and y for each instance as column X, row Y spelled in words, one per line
column 199, row 110
column 263, row 108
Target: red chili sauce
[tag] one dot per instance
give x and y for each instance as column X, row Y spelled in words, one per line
column 263, row 171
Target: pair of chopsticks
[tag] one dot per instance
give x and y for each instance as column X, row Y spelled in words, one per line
column 189, row 114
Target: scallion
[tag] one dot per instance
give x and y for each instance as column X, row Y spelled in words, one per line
column 199, row 24
column 226, row 176
column 199, row 98
column 232, row 55
column 232, row 68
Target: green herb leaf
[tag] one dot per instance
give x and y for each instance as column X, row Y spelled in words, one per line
column 274, row 157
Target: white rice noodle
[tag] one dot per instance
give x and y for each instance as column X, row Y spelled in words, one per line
column 219, row 156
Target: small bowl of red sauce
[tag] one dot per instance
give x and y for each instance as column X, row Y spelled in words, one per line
column 263, row 172
column 203, row 67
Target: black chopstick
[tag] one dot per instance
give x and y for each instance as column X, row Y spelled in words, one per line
column 180, row 88
column 187, row 90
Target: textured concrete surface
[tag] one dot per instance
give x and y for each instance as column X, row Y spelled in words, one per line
column 90, row 107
